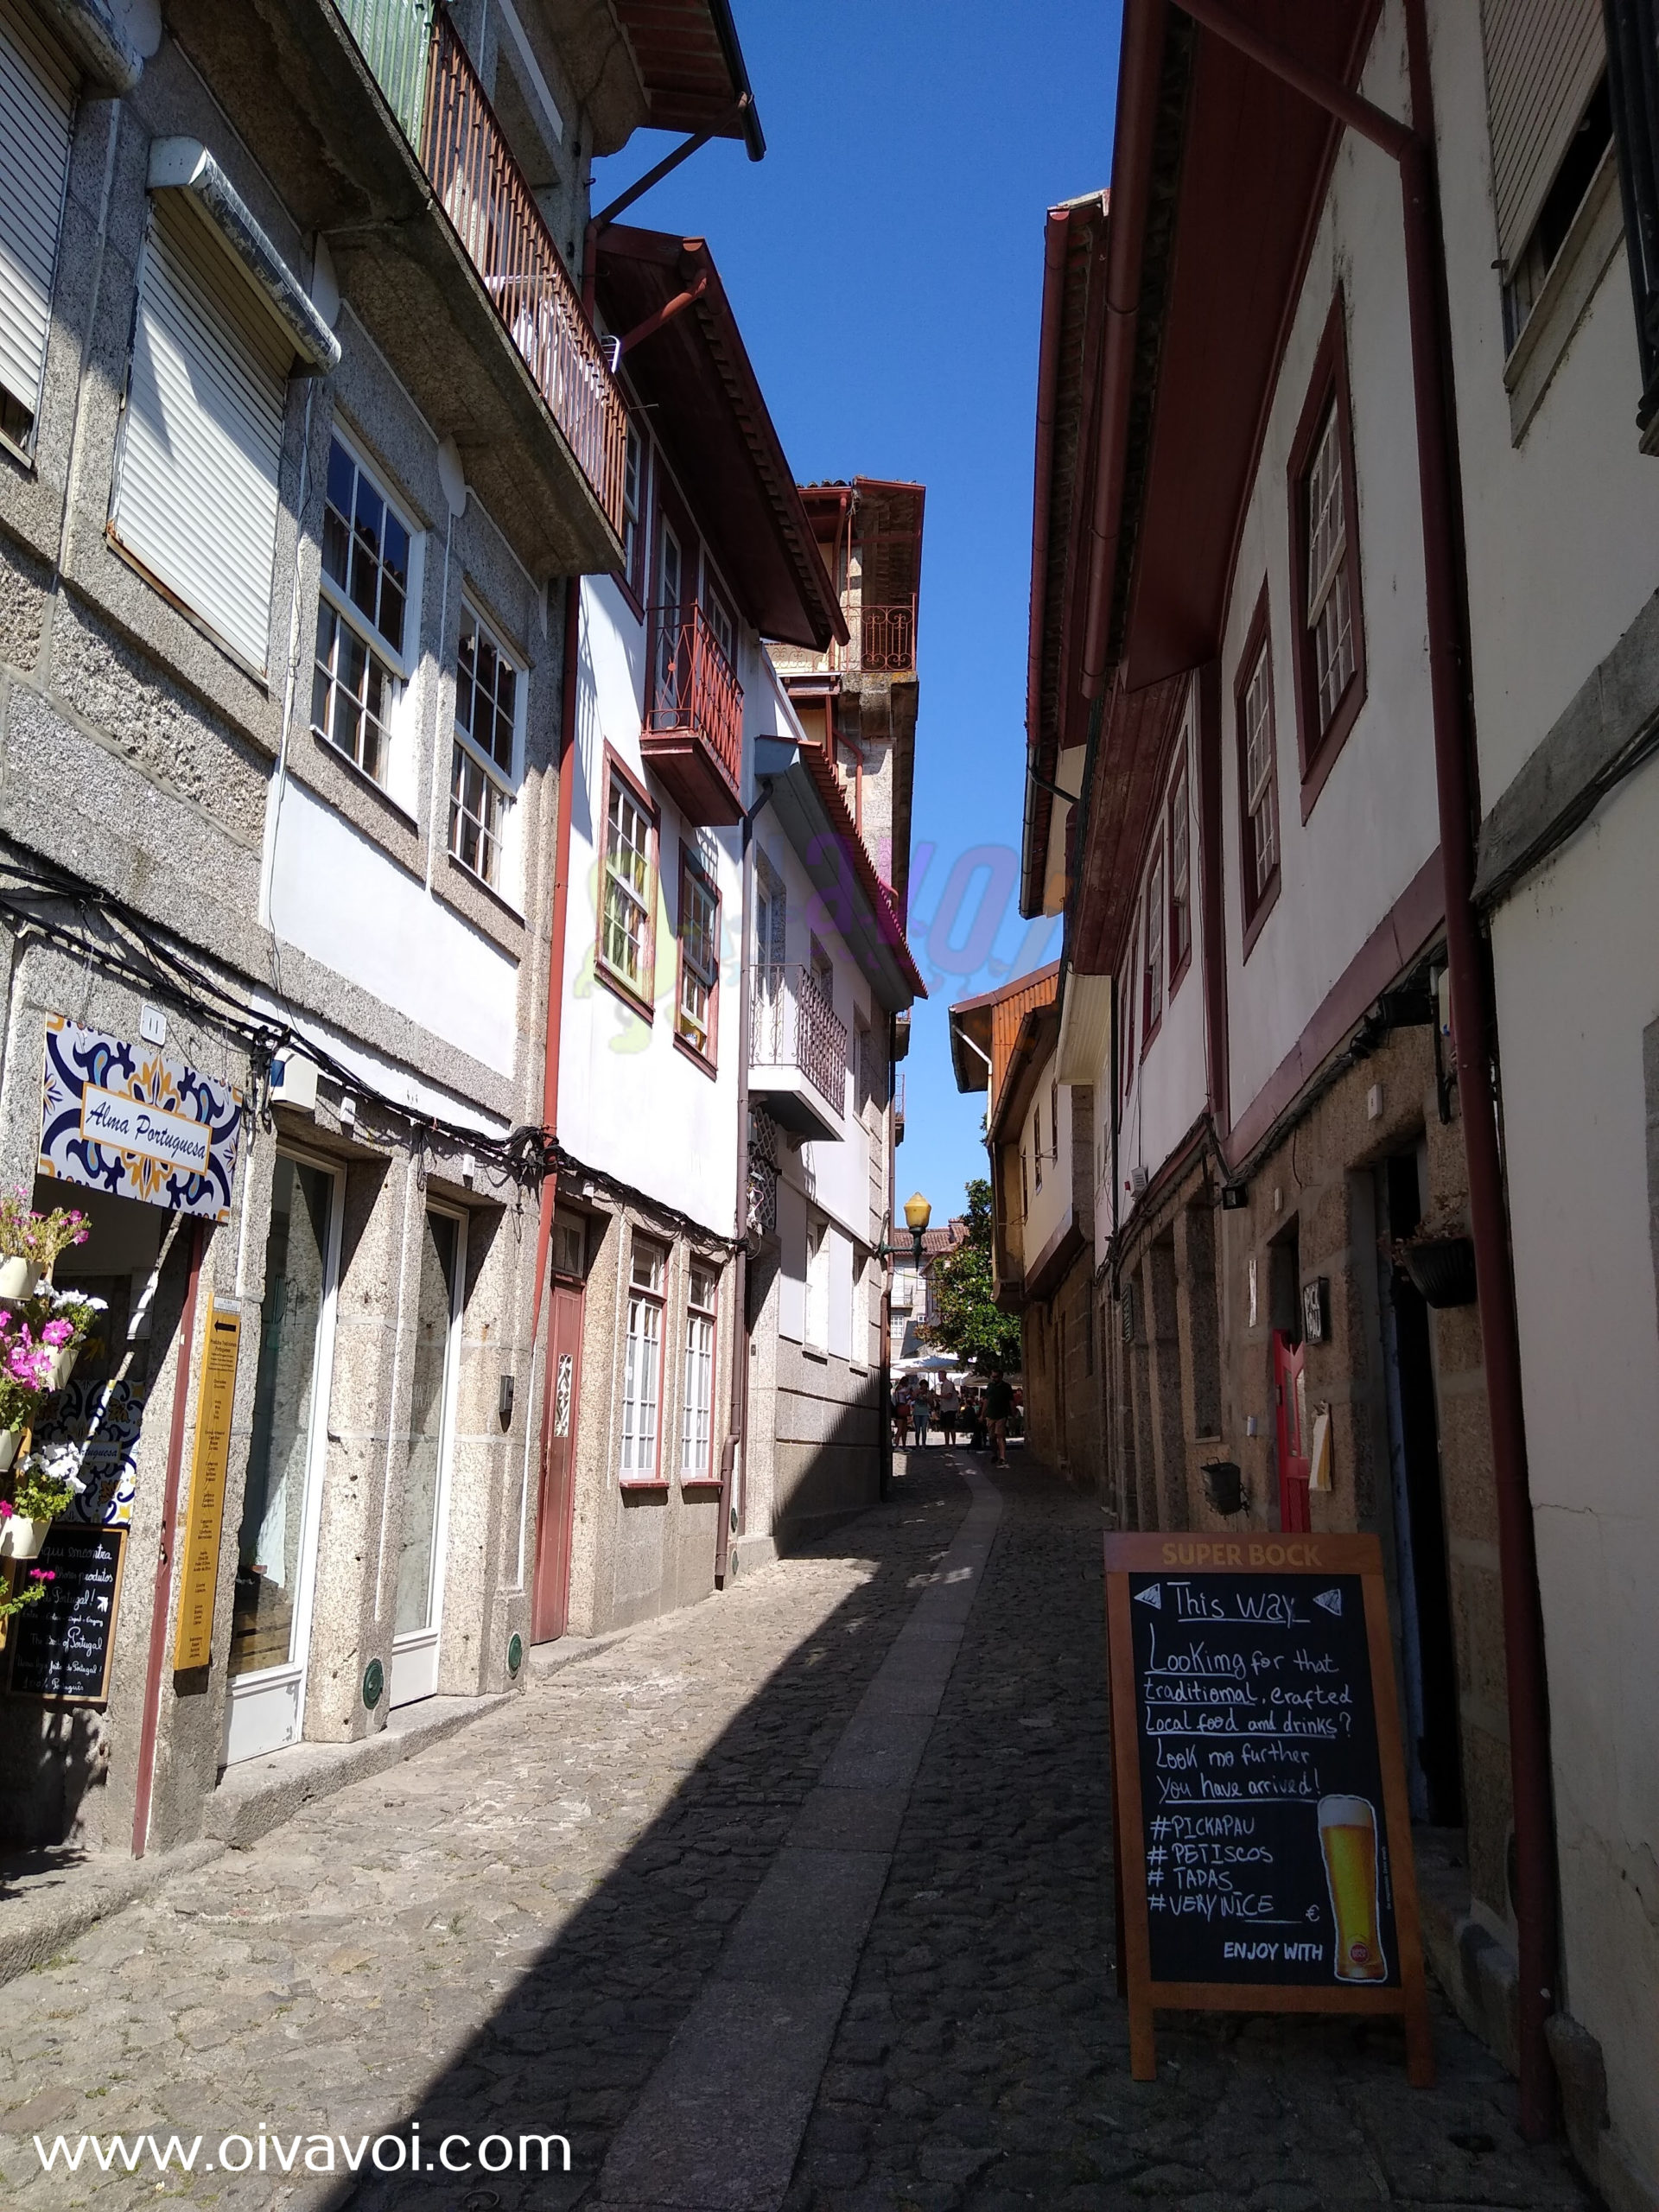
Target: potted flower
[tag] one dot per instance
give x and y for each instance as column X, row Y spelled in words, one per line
column 50, row 1234
column 18, row 1405
column 46, row 1484
column 31, row 1243
column 66, row 1320
column 28, row 1591
column 1437, row 1257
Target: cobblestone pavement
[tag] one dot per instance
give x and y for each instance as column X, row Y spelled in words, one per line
column 505, row 1933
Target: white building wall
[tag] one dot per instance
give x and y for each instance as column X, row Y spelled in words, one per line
column 630, row 1103
column 1376, row 823
column 1048, row 1212
column 1561, row 530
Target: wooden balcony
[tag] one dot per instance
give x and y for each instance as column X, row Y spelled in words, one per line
column 692, row 741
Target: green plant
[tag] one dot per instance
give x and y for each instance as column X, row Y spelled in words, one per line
column 18, row 1403
column 47, row 1482
column 969, row 1321
column 29, row 1592
column 27, row 1235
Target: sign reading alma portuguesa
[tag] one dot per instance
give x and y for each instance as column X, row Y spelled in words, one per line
column 121, row 1117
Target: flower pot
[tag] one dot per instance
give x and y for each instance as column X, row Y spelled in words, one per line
column 1442, row 1270
column 64, row 1366
column 16, row 1276
column 1223, row 1486
column 9, row 1439
column 22, row 1538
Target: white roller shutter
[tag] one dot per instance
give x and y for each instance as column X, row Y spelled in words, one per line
column 37, row 107
column 1543, row 57
column 195, row 493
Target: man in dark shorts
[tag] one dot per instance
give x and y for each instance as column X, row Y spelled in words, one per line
column 999, row 1404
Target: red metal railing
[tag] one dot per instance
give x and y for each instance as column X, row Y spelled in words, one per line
column 884, row 638
column 694, row 687
column 792, row 1025
column 483, row 192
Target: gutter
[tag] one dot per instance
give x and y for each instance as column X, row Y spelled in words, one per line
column 1473, row 1014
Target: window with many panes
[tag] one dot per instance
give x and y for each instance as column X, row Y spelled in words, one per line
column 1258, row 770
column 362, row 616
column 489, row 694
column 630, row 883
column 699, row 935
column 1181, row 878
column 633, row 505
column 642, row 1373
column 1328, row 637
column 696, row 1413
column 1127, row 995
column 1152, row 969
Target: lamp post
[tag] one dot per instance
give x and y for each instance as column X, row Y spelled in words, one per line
column 917, row 1214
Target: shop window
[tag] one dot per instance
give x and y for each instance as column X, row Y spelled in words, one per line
column 642, row 1378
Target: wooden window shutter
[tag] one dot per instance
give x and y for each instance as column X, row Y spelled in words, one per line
column 201, row 439
column 1543, row 59
column 37, row 107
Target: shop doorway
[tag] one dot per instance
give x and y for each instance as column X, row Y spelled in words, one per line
column 425, row 1504
column 1289, row 1380
column 1427, row 1653
column 550, row 1594
column 270, row 1618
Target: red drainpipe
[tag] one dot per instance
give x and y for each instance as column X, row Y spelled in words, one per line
column 162, row 1591
column 1473, row 1014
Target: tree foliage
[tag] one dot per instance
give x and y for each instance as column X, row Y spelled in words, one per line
column 970, row 1323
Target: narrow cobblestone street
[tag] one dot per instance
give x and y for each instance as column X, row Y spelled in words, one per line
column 506, row 1934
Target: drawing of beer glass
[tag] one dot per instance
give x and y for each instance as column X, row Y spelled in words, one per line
column 1348, row 1840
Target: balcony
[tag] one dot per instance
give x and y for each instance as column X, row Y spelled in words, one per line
column 367, row 121
column 797, row 1052
column 883, row 641
column 692, row 741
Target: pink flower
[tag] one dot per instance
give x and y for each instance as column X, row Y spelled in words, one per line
column 41, row 1574
column 58, row 1333
column 5, row 1509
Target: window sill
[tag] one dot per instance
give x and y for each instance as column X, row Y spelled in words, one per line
column 1323, row 759
column 1586, row 253
column 700, row 1482
column 625, row 991
column 646, row 1485
column 820, row 1352
column 1149, row 1037
column 1257, row 921
column 476, row 882
column 699, row 1060
column 361, row 780
column 1180, row 977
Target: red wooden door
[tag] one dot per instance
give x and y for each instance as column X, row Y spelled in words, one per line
column 1290, row 1389
column 551, row 1597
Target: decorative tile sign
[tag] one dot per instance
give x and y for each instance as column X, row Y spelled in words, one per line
column 122, row 1117
column 103, row 1422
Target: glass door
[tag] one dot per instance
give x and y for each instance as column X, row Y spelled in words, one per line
column 277, row 1552
column 425, row 1506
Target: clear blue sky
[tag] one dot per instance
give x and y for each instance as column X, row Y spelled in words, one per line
column 884, row 263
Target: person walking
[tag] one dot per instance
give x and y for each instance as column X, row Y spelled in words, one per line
column 901, row 1398
column 999, row 1404
column 920, row 1409
column 950, row 1408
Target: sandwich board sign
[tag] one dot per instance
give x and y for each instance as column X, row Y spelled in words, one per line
column 1263, row 1836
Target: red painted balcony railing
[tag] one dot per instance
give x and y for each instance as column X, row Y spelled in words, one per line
column 695, row 692
column 883, row 640
column 484, row 193
column 792, row 1025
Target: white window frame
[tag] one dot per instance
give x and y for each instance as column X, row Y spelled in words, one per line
column 1262, row 766
column 497, row 834
column 815, row 1328
column 398, row 661
column 702, row 1357
column 640, row 1460
column 639, row 900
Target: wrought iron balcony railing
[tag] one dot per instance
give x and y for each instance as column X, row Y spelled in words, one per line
column 421, row 65
column 694, row 717
column 792, row 1025
column 883, row 639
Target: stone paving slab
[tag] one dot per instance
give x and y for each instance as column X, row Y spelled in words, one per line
column 908, row 1975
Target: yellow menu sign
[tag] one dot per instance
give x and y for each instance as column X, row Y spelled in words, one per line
column 193, row 1640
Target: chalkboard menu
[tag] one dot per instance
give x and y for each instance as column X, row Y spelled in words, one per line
column 1264, row 1847
column 61, row 1644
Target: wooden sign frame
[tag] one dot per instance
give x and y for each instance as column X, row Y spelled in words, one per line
column 101, row 1696
column 1192, row 1554
column 203, row 1521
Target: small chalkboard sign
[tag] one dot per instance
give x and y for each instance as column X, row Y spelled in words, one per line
column 1263, row 1832
column 61, row 1646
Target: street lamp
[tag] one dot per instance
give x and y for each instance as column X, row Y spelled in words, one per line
column 917, row 1214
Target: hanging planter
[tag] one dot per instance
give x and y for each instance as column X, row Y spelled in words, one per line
column 22, row 1537
column 1223, row 1486
column 9, row 1439
column 63, row 1367
column 18, row 1274
column 1442, row 1270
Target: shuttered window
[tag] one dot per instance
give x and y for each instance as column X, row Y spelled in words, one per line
column 1543, row 59
column 195, row 494
column 37, row 107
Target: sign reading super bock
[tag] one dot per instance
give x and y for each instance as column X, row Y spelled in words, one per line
column 121, row 1117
